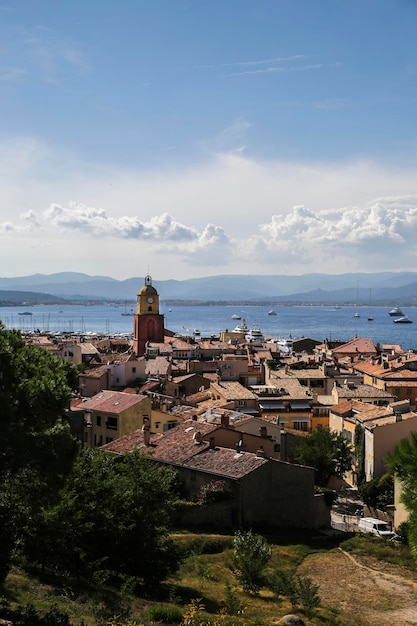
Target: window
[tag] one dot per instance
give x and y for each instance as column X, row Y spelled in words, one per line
column 133, row 370
column 241, row 403
column 98, row 420
column 112, row 423
column 300, row 425
column 169, row 425
column 109, row 439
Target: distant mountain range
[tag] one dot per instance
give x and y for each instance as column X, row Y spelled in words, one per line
column 381, row 288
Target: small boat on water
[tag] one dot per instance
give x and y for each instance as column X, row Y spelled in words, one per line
column 25, row 313
column 356, row 314
column 396, row 312
column 271, row 312
column 196, row 332
column 403, row 320
column 235, row 316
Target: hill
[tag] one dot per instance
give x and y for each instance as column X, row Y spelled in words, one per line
column 28, row 298
column 383, row 288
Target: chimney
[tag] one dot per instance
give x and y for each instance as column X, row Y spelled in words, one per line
column 146, row 428
column 198, row 437
column 224, row 420
column 212, row 444
column 261, row 452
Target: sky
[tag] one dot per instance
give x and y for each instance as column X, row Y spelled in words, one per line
column 191, row 138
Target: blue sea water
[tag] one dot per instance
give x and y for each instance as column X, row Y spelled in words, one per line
column 317, row 322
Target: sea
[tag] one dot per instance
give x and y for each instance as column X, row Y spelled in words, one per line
column 316, row 321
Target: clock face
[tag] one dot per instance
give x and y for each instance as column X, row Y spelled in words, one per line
column 150, row 300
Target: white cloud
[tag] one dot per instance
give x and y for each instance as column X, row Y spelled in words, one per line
column 168, row 236
column 355, row 233
column 238, row 213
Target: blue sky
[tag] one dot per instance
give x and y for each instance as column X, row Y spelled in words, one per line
column 190, row 138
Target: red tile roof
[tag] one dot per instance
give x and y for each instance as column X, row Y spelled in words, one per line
column 183, row 446
column 111, row 401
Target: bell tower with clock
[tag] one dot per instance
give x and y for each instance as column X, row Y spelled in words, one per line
column 148, row 322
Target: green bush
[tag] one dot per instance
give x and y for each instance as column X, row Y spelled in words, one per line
column 300, row 590
column 232, row 604
column 251, row 554
column 167, row 615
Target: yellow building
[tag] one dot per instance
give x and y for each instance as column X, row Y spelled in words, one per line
column 112, row 414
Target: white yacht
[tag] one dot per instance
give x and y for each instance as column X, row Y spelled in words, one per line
column 285, row 345
column 254, row 334
column 241, row 328
column 403, row 320
column 396, row 312
column 272, row 312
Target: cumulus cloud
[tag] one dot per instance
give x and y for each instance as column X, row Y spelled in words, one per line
column 306, row 235
column 163, row 230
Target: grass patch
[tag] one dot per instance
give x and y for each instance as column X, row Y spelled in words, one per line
column 205, row 579
column 369, row 545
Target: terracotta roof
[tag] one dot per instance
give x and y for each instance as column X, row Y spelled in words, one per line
column 181, row 446
column 409, row 384
column 392, row 347
column 390, row 419
column 233, row 391
column 367, row 413
column 95, row 372
column 358, row 345
column 226, row 462
column 158, row 366
column 111, row 401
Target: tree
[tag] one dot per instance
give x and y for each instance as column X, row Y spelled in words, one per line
column 251, row 554
column 36, row 446
column 113, row 519
column 328, row 452
column 402, row 462
column 378, row 493
column 359, row 444
column 35, row 389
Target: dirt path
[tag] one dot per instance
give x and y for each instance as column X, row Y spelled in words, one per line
column 365, row 595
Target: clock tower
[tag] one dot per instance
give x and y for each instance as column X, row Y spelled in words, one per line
column 148, row 324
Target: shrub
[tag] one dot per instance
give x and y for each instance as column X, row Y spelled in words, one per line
column 170, row 615
column 300, row 590
column 307, row 592
column 251, row 553
column 232, row 604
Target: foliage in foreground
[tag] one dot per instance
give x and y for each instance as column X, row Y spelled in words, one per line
column 111, row 523
column 403, row 463
column 37, row 449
